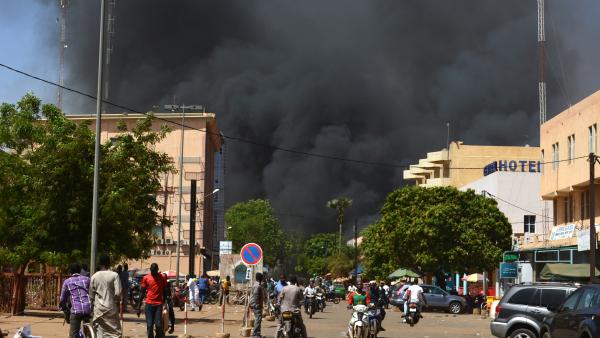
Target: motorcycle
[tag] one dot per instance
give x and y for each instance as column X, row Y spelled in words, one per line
column 413, row 315
column 374, row 321
column 310, row 305
column 359, row 324
column 290, row 325
column 320, row 302
column 331, row 296
column 180, row 298
column 274, row 308
column 134, row 293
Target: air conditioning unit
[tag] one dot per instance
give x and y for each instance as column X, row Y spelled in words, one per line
column 185, row 242
column 152, row 252
column 168, row 241
column 160, row 241
column 167, row 252
column 159, row 252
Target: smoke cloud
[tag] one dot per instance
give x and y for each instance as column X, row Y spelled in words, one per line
column 370, row 80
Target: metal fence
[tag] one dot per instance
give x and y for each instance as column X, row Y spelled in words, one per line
column 41, row 292
column 7, row 283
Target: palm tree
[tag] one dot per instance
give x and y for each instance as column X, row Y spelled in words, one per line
column 340, row 204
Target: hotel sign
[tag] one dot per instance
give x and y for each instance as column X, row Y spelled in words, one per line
column 513, row 165
column 562, row 232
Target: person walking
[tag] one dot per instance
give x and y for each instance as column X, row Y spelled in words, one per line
column 203, row 289
column 105, row 293
column 169, row 294
column 75, row 290
column 124, row 277
column 257, row 299
column 154, row 287
column 192, row 291
column 225, row 286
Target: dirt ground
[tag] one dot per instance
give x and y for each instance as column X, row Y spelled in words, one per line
column 206, row 323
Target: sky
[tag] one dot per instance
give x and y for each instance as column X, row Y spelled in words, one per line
column 369, row 80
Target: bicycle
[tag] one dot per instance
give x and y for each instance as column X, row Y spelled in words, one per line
column 239, row 298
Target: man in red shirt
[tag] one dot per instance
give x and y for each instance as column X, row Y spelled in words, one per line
column 154, row 287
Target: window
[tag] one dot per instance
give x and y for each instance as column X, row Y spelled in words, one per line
column 571, row 148
column 542, row 162
column 522, row 296
column 529, row 223
column 437, row 291
column 570, row 303
column 426, row 289
column 589, row 298
column 552, row 297
column 568, row 206
column 555, row 211
column 555, row 156
column 585, row 204
column 592, row 138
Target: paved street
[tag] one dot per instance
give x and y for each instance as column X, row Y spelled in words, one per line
column 331, row 323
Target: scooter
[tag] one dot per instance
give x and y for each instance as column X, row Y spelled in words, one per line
column 374, row 321
column 359, row 324
column 310, row 305
column 290, row 325
column 413, row 315
column 180, row 298
column 320, row 302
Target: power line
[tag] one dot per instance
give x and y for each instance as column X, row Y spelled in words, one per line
column 241, row 139
column 516, row 206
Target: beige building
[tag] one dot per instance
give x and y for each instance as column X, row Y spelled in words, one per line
column 199, row 151
column 463, row 164
column 566, row 141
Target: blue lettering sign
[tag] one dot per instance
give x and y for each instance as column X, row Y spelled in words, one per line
column 508, row 270
column 523, row 163
column 501, row 165
column 532, row 166
column 512, row 165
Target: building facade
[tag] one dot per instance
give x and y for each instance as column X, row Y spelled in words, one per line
column 201, row 142
column 462, row 164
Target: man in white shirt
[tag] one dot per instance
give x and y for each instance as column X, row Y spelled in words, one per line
column 310, row 290
column 415, row 296
column 193, row 292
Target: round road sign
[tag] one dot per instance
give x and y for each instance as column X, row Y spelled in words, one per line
column 251, row 254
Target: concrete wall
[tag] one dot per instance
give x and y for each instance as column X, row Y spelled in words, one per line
column 517, row 195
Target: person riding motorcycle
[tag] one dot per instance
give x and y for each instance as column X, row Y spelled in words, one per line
column 309, row 291
column 376, row 299
column 358, row 298
column 414, row 294
column 290, row 299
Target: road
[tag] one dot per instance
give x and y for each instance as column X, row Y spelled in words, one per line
column 329, row 324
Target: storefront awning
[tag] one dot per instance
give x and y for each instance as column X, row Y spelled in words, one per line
column 566, row 272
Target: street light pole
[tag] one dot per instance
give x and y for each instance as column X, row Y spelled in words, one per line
column 180, row 196
column 592, row 207
column 99, row 95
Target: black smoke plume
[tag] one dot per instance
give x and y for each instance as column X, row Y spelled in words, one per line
column 370, row 80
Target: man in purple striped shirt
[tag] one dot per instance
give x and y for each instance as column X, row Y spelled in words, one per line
column 75, row 295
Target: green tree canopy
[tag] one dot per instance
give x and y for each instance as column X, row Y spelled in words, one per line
column 430, row 228
column 316, row 252
column 46, row 176
column 253, row 222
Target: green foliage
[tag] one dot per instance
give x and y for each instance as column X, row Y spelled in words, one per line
column 340, row 204
column 46, row 174
column 429, row 228
column 316, row 251
column 341, row 263
column 253, row 222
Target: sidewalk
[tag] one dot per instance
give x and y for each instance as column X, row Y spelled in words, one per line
column 203, row 323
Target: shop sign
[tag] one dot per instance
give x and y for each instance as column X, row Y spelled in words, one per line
column 508, row 270
column 583, row 240
column 512, row 165
column 562, row 232
column 510, row 256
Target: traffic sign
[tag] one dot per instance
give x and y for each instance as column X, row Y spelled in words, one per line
column 251, row 254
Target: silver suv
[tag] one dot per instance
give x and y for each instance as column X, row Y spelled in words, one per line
column 522, row 309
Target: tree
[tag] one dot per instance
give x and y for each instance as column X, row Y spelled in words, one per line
column 46, row 176
column 253, row 222
column 432, row 228
column 316, row 252
column 341, row 263
column 340, row 204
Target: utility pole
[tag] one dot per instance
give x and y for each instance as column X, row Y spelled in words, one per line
column 192, row 254
column 97, row 146
column 593, row 241
column 541, row 42
column 355, row 249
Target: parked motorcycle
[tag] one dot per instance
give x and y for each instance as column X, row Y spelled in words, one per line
column 359, row 324
column 413, row 315
column 134, row 293
column 374, row 321
column 320, row 300
column 181, row 298
column 274, row 308
column 290, row 325
column 331, row 296
column 310, row 305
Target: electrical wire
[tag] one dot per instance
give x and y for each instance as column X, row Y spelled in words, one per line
column 516, row 206
column 237, row 138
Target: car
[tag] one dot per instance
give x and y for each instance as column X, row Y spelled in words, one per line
column 576, row 317
column 521, row 311
column 436, row 299
column 340, row 290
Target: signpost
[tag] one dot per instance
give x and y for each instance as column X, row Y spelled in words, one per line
column 508, row 270
column 251, row 255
